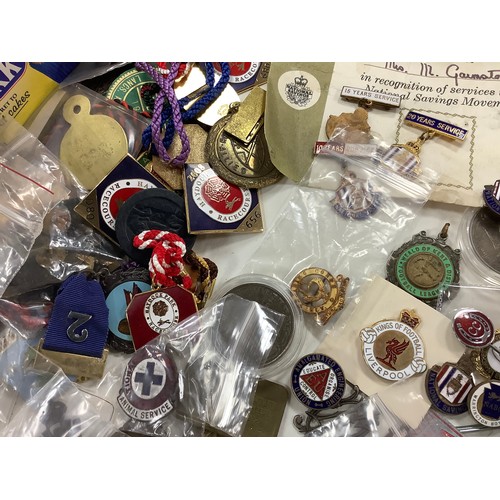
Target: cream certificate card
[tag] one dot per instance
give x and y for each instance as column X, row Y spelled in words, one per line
column 380, row 300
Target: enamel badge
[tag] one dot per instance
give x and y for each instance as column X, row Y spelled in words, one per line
column 484, row 403
column 393, row 349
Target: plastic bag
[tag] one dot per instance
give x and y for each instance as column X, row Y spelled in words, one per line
column 37, row 399
column 32, row 184
column 200, row 374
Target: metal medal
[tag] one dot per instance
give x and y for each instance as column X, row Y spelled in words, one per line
column 485, row 238
column 487, row 360
column 247, row 165
column 355, row 197
column 318, row 292
column 156, row 208
column 94, row 143
column 272, row 298
column 484, row 403
column 319, row 383
column 137, row 88
column 393, row 349
column 120, row 287
column 152, row 313
column 425, row 267
column 448, row 386
column 150, row 385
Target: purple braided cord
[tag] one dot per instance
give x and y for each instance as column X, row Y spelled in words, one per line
column 167, row 91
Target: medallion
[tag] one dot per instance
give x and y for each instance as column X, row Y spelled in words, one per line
column 149, row 386
column 156, row 208
column 318, row 292
column 355, row 198
column 484, row 237
column 319, row 383
column 392, row 349
column 425, row 267
column 94, row 143
column 245, row 165
column 152, row 313
column 487, row 360
column 484, row 403
column 448, row 387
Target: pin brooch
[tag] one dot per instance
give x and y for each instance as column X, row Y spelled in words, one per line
column 393, row 349
column 425, row 267
column 318, row 292
column 319, row 383
column 405, row 158
column 484, row 403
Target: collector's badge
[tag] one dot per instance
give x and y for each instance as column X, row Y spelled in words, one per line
column 448, row 387
column 216, row 206
column 491, row 196
column 149, row 385
column 392, row 349
column 425, row 267
column 100, row 207
column 355, row 198
column 245, row 75
column 318, row 381
column 318, row 292
column 155, row 312
column 473, row 328
column 484, row 403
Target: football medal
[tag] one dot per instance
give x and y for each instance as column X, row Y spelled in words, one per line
column 425, row 267
column 392, row 349
column 318, row 292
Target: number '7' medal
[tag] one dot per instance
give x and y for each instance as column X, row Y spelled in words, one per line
column 425, row 267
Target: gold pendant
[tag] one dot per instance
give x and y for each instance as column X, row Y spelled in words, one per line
column 93, row 145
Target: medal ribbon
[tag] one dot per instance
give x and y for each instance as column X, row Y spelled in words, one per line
column 214, row 91
column 167, row 93
column 166, row 259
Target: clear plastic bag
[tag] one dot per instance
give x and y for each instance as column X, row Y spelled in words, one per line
column 37, row 399
column 208, row 365
column 32, row 185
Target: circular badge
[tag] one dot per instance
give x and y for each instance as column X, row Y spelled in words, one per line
column 136, row 88
column 116, row 194
column 484, row 403
column 448, row 387
column 318, row 382
column 393, row 350
column 473, row 328
column 239, row 71
column 148, row 209
column 161, row 312
column 221, row 201
column 149, row 385
column 299, row 89
column 487, row 360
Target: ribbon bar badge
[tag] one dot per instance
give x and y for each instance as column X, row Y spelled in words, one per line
column 435, row 125
column 355, row 94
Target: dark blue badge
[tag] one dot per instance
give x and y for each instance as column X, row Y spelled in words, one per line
column 491, row 196
column 79, row 320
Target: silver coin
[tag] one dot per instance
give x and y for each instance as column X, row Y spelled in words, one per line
column 273, row 299
column 485, row 238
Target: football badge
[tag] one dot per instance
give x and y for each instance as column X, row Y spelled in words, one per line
column 319, row 383
column 318, row 292
column 448, row 387
column 149, row 386
column 393, row 349
column 355, row 198
column 484, row 403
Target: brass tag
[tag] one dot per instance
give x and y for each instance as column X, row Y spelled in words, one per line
column 93, row 145
column 74, row 364
column 245, row 124
column 267, row 410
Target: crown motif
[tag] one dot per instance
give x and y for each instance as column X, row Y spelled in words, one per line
column 409, row 318
column 301, row 81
